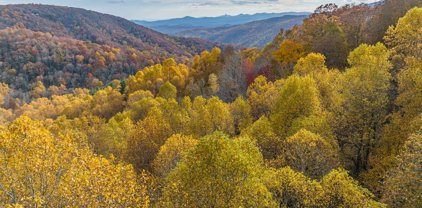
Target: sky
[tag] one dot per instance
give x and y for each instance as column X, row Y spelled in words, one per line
column 165, row 9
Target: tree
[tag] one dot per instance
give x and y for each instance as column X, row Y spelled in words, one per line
column 262, row 133
column 408, row 119
column 262, row 96
column 213, row 85
column 327, row 80
column 312, row 64
column 207, row 116
column 111, row 138
column 147, row 138
column 4, row 93
column 171, row 153
column 405, row 39
column 288, row 54
column 402, row 185
column 241, row 112
column 107, row 102
column 38, row 90
column 221, row 118
column 167, row 91
column 101, row 183
column 387, row 15
column 336, row 189
column 293, row 189
column 298, row 106
column 343, row 191
column 41, row 169
column 323, row 34
column 151, row 78
column 364, row 89
column 310, row 154
column 218, row 172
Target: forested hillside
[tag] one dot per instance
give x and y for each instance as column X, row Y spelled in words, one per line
column 329, row 114
column 97, row 28
column 69, row 47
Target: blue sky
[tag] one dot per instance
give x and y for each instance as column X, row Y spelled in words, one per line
column 164, row 9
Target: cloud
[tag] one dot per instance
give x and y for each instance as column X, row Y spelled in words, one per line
column 116, row 1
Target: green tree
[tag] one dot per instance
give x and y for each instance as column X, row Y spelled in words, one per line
column 167, row 91
column 218, row 172
column 298, row 106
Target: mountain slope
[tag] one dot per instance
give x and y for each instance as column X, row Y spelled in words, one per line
column 173, row 26
column 43, row 46
column 98, row 28
column 253, row 34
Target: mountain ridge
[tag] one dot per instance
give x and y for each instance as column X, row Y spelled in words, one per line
column 176, row 25
column 97, row 27
column 253, row 34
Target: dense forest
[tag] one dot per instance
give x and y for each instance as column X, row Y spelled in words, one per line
column 329, row 114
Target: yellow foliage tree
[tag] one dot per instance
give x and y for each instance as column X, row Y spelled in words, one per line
column 171, row 153
column 40, row 169
column 218, row 172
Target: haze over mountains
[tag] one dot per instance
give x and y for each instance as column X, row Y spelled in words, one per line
column 253, row 34
column 246, row 30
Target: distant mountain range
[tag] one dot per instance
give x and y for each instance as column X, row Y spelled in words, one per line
column 174, row 26
column 252, row 34
column 244, row 30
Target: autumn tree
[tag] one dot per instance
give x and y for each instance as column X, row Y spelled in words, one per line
column 4, row 93
column 287, row 55
column 210, row 115
column 364, row 89
column 218, row 172
column 294, row 189
column 262, row 96
column 38, row 90
column 171, row 153
column 342, row 190
column 262, row 133
column 39, row 168
column 298, row 106
column 387, row 15
column 324, row 34
column 310, row 154
column 107, row 102
column 241, row 112
column 402, row 185
column 327, row 80
column 148, row 136
column 167, row 91
column 111, row 138
column 151, row 78
column 405, row 39
column 336, row 189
